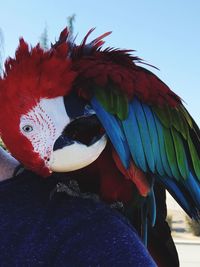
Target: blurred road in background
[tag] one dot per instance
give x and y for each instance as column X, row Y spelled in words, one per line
column 187, row 244
column 189, row 253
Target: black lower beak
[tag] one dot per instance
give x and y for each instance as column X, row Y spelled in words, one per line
column 86, row 130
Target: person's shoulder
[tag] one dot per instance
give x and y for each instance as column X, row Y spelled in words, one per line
column 42, row 225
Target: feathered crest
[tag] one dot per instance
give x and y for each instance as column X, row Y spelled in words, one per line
column 37, row 73
column 34, row 73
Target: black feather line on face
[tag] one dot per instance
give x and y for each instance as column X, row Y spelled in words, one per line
column 75, row 106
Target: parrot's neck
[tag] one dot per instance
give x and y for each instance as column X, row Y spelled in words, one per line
column 7, row 165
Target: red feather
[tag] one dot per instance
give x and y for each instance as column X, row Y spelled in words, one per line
column 99, row 67
column 36, row 74
column 138, row 177
column 113, row 186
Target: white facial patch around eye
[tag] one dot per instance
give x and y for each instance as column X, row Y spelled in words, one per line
column 43, row 124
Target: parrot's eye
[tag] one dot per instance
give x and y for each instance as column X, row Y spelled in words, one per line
column 27, row 128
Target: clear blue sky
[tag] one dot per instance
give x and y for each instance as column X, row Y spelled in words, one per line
column 164, row 33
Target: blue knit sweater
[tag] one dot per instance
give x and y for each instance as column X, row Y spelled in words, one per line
column 36, row 230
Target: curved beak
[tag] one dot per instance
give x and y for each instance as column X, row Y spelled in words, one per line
column 80, row 144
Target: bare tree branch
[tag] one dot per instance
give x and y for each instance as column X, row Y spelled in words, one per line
column 70, row 24
column 44, row 42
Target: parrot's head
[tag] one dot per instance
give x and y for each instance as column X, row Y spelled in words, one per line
column 43, row 123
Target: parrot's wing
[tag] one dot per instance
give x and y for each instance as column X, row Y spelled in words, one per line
column 152, row 134
column 162, row 141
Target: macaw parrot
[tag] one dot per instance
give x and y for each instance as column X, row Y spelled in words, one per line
column 82, row 108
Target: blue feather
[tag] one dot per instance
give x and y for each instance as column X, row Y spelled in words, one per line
column 144, row 133
column 162, row 147
column 178, row 195
column 133, row 137
column 193, row 187
column 154, row 139
column 114, row 131
column 152, row 207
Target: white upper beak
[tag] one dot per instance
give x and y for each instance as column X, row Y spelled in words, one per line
column 76, row 156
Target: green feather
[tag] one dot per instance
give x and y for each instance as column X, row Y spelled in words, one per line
column 195, row 158
column 113, row 100
column 179, row 122
column 170, row 151
column 102, row 97
column 180, row 154
column 163, row 115
column 186, row 116
column 172, row 117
